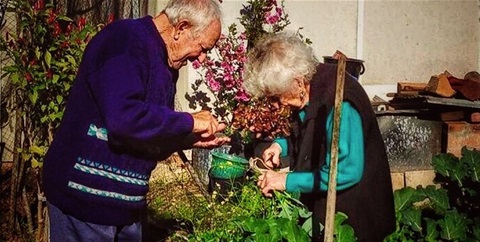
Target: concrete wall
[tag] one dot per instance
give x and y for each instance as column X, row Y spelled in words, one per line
column 399, row 40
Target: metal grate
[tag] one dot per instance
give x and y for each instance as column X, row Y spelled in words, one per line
column 7, row 23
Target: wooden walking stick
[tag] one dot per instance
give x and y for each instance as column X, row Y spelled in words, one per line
column 332, row 182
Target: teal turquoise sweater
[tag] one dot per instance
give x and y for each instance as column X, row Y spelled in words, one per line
column 350, row 154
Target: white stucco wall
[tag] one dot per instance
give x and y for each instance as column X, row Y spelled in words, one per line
column 399, row 40
column 412, row 40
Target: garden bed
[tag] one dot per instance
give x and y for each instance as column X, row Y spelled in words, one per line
column 170, row 184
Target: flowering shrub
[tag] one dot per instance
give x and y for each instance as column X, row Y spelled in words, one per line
column 222, row 76
column 222, row 71
column 260, row 17
column 43, row 58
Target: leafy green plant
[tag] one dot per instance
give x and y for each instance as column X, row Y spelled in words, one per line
column 449, row 212
column 283, row 224
column 244, row 214
column 42, row 58
column 44, row 54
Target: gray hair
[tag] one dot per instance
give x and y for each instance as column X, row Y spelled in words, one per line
column 200, row 13
column 274, row 63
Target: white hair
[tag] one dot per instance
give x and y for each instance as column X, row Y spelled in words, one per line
column 200, row 13
column 275, row 62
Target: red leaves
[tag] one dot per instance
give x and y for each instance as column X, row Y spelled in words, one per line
column 49, row 74
column 264, row 117
column 28, row 77
column 39, row 4
column 52, row 17
column 111, row 18
column 57, row 30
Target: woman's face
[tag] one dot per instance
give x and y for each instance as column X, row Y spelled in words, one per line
column 297, row 96
column 291, row 99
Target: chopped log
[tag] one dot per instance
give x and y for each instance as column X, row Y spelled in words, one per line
column 378, row 100
column 410, row 88
column 469, row 88
column 474, row 78
column 452, row 116
column 391, row 94
column 475, row 117
column 473, row 75
column 440, row 86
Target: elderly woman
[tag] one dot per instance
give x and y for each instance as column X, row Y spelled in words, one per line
column 282, row 67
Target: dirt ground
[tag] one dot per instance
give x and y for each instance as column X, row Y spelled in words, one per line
column 170, row 180
column 172, row 183
column 5, row 178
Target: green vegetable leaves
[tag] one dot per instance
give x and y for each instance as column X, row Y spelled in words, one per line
column 447, row 212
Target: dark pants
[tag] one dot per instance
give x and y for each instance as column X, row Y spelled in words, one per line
column 65, row 228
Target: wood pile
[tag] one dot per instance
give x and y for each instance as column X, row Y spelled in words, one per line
column 451, row 97
column 445, row 85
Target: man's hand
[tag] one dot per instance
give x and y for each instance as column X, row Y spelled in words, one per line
column 205, row 124
column 211, row 142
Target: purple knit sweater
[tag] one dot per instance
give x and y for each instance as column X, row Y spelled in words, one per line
column 118, row 122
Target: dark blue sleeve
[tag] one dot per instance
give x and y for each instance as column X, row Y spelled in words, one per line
column 120, row 88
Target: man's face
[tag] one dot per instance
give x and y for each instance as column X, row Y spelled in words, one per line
column 188, row 47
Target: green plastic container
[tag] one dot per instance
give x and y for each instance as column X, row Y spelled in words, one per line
column 228, row 166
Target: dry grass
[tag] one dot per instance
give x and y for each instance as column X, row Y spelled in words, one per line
column 170, row 185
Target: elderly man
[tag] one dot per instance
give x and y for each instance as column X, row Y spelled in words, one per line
column 120, row 121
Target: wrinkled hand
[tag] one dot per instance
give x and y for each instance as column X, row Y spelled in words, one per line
column 271, row 181
column 211, row 142
column 271, row 155
column 205, row 124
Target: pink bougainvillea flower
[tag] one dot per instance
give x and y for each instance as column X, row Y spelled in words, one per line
column 273, row 19
column 243, row 36
column 196, row 64
column 279, row 11
column 222, row 72
column 241, row 95
column 214, row 85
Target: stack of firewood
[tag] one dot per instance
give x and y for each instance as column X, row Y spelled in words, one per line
column 446, row 85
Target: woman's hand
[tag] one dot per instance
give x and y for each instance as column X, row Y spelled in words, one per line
column 272, row 181
column 271, row 155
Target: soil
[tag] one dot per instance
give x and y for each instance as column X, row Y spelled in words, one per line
column 171, row 183
column 5, row 181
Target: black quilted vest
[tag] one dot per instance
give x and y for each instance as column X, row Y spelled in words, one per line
column 369, row 204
